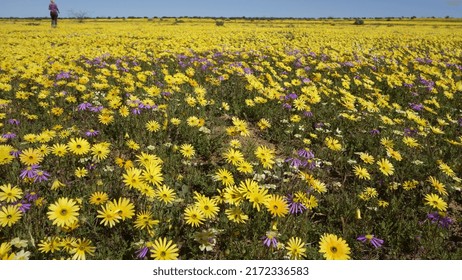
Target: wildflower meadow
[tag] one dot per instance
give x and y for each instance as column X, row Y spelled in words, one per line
column 263, row 139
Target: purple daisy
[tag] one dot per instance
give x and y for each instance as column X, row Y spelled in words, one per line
column 370, row 238
column 32, row 196
column 141, row 253
column 14, row 121
column 83, row 106
column 29, row 172
column 41, row 175
column 23, row 207
column 63, row 75
column 15, row 153
column 308, row 114
column 96, row 109
column 287, row 106
column 295, row 207
column 416, row 107
column 442, row 220
column 92, row 133
column 292, row 96
column 305, row 153
column 9, row 135
column 295, row 162
column 269, row 240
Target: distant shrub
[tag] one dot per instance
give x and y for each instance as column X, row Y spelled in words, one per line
column 358, row 21
column 219, row 23
column 80, row 16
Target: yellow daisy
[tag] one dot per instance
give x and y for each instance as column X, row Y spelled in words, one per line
column 163, row 249
column 295, row 248
column 277, row 206
column 63, row 212
column 78, row 146
column 334, row 248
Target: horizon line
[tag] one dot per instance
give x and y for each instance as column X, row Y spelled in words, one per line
column 236, row 17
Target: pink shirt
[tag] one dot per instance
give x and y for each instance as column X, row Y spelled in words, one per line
column 53, row 8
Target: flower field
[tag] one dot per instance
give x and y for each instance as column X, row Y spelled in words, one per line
column 249, row 139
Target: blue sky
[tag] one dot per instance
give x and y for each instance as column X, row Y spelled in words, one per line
column 236, row 8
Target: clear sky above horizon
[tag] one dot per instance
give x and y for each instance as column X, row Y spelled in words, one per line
column 236, row 8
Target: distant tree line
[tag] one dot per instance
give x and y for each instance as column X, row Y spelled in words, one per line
column 84, row 15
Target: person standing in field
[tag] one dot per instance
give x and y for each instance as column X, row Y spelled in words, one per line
column 53, row 13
